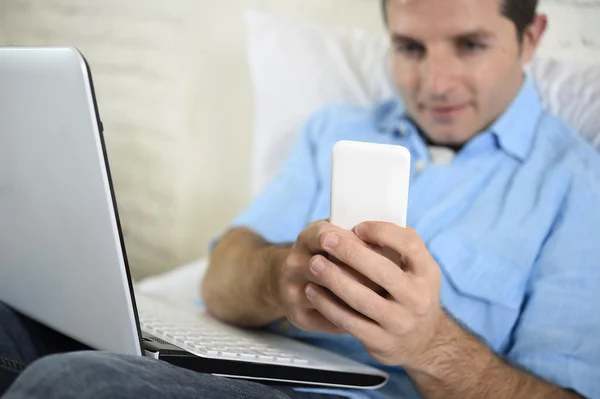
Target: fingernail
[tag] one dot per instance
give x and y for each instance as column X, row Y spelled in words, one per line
column 332, row 240
column 317, row 265
column 310, row 291
column 357, row 228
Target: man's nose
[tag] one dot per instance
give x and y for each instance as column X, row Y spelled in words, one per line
column 439, row 75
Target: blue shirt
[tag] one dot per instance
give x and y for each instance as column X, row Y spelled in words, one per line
column 513, row 221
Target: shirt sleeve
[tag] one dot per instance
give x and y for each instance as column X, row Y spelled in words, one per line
column 558, row 334
column 283, row 208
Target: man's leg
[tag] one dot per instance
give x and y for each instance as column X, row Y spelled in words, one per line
column 97, row 374
column 86, row 375
column 22, row 341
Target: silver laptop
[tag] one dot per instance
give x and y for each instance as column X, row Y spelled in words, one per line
column 62, row 255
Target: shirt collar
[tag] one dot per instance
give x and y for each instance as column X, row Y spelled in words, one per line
column 391, row 116
column 515, row 128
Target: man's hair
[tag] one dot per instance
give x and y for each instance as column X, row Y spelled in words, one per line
column 520, row 12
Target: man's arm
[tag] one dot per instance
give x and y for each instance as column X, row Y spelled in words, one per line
column 241, row 278
column 238, row 285
column 251, row 282
column 461, row 366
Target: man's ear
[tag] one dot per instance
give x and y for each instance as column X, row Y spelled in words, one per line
column 532, row 37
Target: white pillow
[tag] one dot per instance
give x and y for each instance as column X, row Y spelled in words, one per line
column 572, row 92
column 297, row 68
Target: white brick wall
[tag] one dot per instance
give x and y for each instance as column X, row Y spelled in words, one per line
column 175, row 98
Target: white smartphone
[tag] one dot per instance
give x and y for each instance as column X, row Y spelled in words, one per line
column 369, row 182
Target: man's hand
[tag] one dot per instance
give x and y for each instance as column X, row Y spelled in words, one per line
column 399, row 327
column 295, row 274
column 407, row 326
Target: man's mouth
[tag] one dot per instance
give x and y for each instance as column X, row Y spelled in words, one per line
column 447, row 112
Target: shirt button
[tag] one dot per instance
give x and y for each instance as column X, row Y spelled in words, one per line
column 420, row 165
column 403, row 128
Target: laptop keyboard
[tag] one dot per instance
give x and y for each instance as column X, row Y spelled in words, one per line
column 202, row 335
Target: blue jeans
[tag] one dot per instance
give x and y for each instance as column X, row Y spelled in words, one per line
column 36, row 362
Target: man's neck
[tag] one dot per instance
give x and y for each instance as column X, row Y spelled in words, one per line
column 430, row 143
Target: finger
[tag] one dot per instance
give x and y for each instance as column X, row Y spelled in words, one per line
column 293, row 277
column 354, row 294
column 295, row 297
column 404, row 241
column 353, row 274
column 351, row 251
column 313, row 321
column 310, row 237
column 365, row 330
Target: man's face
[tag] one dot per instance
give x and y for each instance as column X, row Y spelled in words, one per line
column 458, row 64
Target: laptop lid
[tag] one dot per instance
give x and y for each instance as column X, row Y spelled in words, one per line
column 62, row 257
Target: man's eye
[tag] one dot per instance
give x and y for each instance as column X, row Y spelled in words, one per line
column 410, row 48
column 470, row 46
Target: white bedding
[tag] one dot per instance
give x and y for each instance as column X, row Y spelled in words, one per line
column 181, row 283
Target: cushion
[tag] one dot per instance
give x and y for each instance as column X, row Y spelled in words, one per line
column 572, row 92
column 297, row 68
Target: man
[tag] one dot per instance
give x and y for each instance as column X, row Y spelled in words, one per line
column 490, row 293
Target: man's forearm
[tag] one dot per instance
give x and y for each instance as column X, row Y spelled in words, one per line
column 239, row 285
column 461, row 366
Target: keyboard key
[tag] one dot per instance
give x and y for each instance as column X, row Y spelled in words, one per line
column 205, row 337
column 257, row 348
column 236, row 349
column 218, row 347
